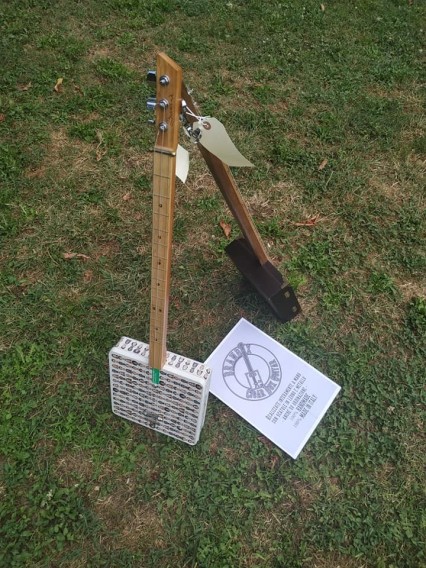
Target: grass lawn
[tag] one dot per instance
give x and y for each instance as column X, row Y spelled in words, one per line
column 326, row 100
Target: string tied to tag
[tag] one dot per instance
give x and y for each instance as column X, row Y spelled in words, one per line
column 194, row 134
column 210, row 133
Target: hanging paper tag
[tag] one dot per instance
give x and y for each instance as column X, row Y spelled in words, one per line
column 182, row 163
column 217, row 141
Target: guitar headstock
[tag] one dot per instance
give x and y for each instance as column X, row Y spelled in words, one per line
column 167, row 104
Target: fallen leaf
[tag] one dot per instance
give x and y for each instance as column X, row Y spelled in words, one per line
column 127, row 196
column 322, row 164
column 58, row 87
column 226, row 228
column 2, row 117
column 322, row 6
column 88, row 276
column 69, row 255
column 26, row 87
column 309, row 222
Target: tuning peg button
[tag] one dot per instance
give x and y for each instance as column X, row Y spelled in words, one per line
column 151, row 77
column 151, row 103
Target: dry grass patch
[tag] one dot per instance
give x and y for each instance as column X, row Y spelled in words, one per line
column 75, row 467
column 129, row 524
column 277, row 199
column 264, row 541
column 66, row 158
column 411, row 289
column 335, row 560
column 108, row 249
column 386, row 180
column 99, row 52
column 133, row 159
column 306, row 493
column 27, row 279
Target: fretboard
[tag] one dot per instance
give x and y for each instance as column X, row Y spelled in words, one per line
column 162, row 232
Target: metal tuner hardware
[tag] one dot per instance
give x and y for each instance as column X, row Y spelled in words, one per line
column 151, row 77
column 151, row 103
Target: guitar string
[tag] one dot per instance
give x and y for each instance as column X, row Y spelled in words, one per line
column 153, row 340
column 159, row 258
column 156, row 248
column 152, row 321
column 164, row 261
column 156, row 261
column 154, row 299
column 166, row 201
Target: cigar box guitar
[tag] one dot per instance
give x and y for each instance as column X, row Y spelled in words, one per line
column 149, row 385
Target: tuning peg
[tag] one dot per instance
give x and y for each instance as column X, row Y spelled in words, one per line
column 151, row 77
column 151, row 103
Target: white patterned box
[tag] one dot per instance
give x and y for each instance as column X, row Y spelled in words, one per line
column 175, row 407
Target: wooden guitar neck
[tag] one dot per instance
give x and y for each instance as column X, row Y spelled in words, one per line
column 168, row 104
column 162, row 230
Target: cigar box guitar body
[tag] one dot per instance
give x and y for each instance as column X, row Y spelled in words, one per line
column 175, row 407
column 149, row 385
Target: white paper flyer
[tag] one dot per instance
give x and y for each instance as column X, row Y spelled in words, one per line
column 269, row 386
